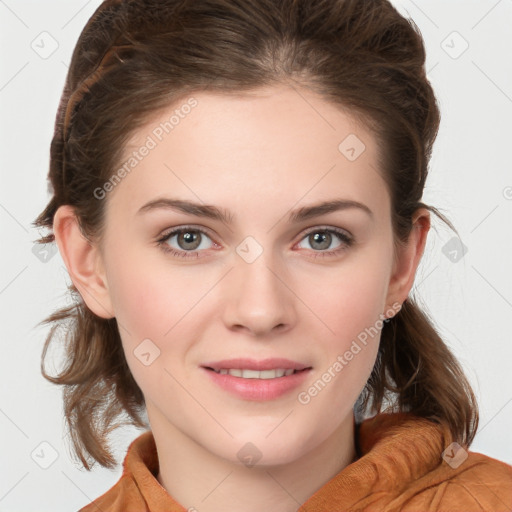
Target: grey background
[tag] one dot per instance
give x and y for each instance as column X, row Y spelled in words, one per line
column 469, row 297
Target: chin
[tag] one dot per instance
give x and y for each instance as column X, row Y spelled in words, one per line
column 266, row 447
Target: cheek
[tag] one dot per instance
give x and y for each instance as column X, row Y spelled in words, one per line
column 141, row 303
column 351, row 306
column 156, row 301
column 151, row 303
column 351, row 299
column 149, row 297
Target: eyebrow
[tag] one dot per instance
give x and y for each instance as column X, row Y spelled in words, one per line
column 223, row 215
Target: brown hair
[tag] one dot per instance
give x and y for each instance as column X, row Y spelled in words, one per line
column 135, row 57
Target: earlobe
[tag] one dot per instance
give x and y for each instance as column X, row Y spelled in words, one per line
column 83, row 261
column 408, row 258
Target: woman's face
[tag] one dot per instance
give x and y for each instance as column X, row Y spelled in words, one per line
column 279, row 278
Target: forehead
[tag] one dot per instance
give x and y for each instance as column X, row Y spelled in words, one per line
column 287, row 143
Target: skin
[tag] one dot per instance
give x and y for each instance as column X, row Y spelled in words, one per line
column 258, row 156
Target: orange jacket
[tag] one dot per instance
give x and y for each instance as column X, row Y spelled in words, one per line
column 401, row 467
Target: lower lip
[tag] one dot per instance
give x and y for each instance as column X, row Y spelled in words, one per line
column 258, row 389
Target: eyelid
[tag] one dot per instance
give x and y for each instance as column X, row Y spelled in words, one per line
column 168, row 231
column 324, row 227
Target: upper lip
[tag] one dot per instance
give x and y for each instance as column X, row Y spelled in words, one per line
column 253, row 364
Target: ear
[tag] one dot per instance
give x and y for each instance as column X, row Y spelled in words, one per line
column 83, row 261
column 408, row 258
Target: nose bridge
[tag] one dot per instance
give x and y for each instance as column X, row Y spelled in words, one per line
column 258, row 300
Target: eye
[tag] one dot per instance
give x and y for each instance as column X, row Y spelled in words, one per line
column 321, row 239
column 189, row 241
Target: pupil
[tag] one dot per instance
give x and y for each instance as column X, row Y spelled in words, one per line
column 323, row 239
column 189, row 238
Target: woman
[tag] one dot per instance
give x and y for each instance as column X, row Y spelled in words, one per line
column 237, row 198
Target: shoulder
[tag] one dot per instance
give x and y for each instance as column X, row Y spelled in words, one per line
column 474, row 482
column 416, row 466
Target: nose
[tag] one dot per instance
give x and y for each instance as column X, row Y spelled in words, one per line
column 259, row 300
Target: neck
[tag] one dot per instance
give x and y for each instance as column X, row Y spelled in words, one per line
column 201, row 480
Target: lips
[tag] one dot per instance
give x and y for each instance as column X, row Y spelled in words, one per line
column 249, row 379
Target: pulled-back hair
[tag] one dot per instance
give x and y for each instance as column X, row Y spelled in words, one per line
column 136, row 57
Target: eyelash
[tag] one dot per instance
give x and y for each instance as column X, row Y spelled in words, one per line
column 347, row 240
